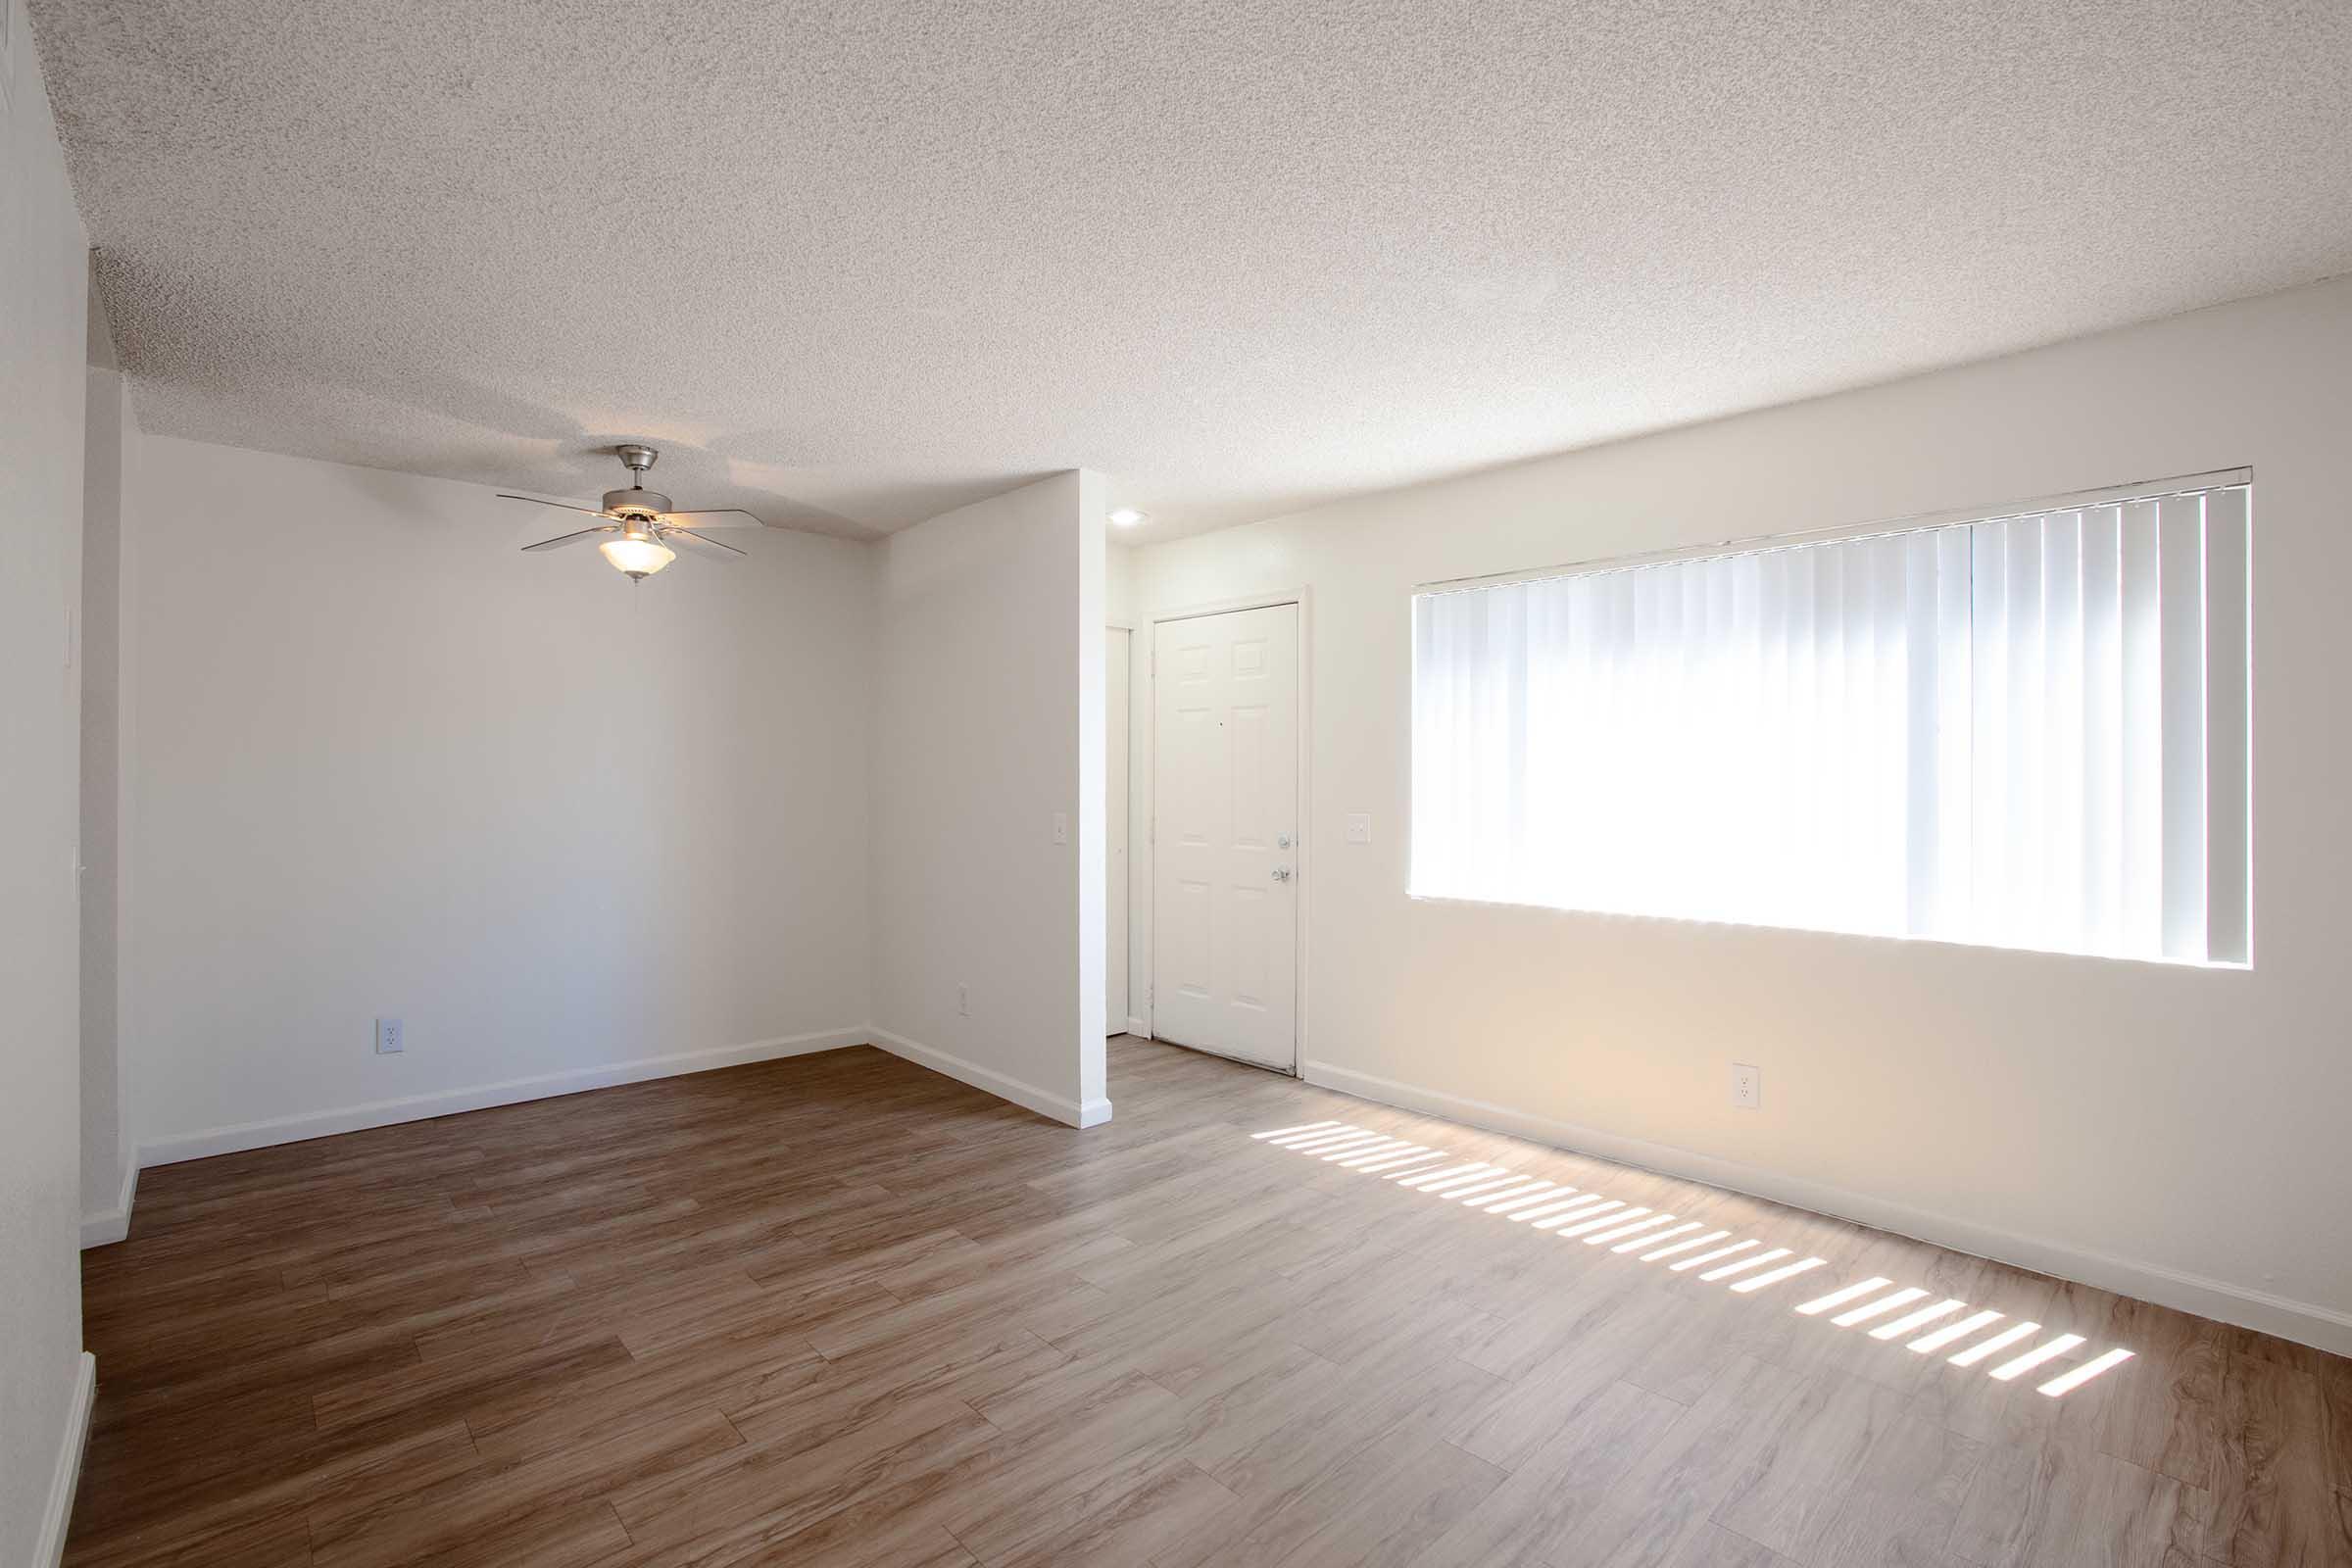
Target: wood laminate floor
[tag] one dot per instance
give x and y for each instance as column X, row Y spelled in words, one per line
column 840, row 1312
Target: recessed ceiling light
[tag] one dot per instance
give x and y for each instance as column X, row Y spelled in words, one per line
column 1126, row 517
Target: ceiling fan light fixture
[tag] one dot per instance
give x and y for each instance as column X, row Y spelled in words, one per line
column 638, row 555
column 644, row 522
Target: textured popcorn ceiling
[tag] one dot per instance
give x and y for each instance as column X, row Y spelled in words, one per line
column 851, row 263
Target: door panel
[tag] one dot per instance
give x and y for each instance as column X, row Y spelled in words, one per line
column 1189, row 927
column 1225, row 901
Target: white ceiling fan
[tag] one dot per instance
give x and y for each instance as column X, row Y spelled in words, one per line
column 642, row 524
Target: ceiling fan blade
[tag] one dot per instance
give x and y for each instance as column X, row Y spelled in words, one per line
column 700, row 543
column 562, row 539
column 565, row 505
column 742, row 518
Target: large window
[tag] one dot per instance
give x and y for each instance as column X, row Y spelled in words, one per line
column 2027, row 731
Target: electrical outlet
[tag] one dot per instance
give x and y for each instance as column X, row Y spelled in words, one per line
column 1360, row 827
column 389, row 1042
column 1747, row 1086
column 963, row 1001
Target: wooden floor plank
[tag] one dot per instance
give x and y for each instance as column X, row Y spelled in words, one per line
column 840, row 1312
column 1789, row 1494
column 2272, row 1474
column 1532, row 1518
column 1904, row 1500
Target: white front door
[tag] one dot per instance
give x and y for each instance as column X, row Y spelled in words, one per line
column 1225, row 844
column 1114, row 740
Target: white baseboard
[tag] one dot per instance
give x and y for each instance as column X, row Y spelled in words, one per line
column 2301, row 1321
column 99, row 1230
column 49, row 1549
column 447, row 1103
column 1093, row 1114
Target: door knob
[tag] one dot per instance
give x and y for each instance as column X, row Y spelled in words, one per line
column 1282, row 873
column 1282, row 841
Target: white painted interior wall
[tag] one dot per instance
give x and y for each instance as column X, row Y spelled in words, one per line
column 990, row 624
column 1118, row 582
column 1118, row 644
column 110, row 447
column 43, row 269
column 568, row 829
column 2172, row 1132
column 1124, row 608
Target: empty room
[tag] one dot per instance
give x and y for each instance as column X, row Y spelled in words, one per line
column 1202, row 785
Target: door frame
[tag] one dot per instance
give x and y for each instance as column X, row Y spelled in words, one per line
column 1302, row 597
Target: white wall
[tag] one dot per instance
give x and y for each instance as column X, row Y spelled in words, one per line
column 1123, row 606
column 989, row 720
column 42, row 270
column 2173, row 1132
column 109, row 448
column 1118, row 584
column 380, row 762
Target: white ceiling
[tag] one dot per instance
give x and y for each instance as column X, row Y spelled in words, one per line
column 852, row 263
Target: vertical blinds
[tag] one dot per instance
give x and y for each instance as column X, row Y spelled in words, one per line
column 2029, row 731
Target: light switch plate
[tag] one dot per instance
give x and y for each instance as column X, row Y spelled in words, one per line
column 1360, row 827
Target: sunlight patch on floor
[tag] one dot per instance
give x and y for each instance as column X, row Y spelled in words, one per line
column 1481, row 1187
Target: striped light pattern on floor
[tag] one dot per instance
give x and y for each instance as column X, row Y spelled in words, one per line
column 1597, row 1220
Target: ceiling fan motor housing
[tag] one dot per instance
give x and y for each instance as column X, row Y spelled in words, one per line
column 633, row 503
